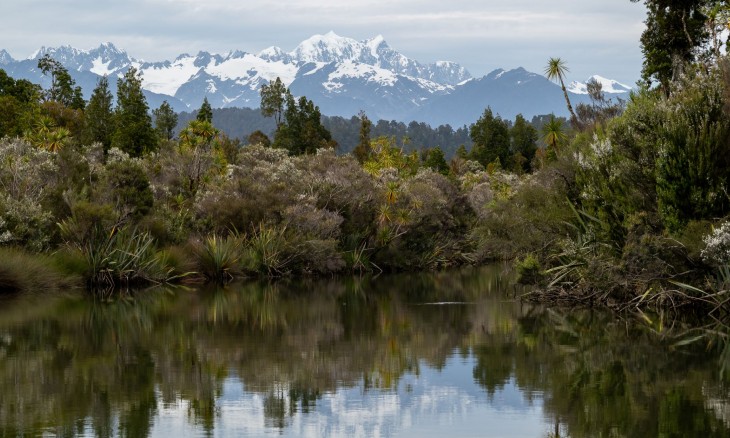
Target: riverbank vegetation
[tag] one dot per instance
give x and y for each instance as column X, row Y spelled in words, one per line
column 624, row 204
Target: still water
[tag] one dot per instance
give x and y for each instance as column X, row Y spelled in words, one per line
column 446, row 354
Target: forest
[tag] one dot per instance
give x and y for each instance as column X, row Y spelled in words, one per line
column 624, row 204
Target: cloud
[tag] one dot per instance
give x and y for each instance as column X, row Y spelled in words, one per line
column 597, row 36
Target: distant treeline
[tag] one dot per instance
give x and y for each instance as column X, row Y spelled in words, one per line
column 242, row 122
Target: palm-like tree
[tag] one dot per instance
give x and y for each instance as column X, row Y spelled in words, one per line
column 553, row 134
column 556, row 70
column 57, row 139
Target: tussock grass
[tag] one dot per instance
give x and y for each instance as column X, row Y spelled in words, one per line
column 21, row 272
column 218, row 257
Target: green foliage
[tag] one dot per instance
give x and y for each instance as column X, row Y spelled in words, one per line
column 134, row 133
column 205, row 113
column 23, row 272
column 26, row 172
column 273, row 99
column 363, row 150
column 199, row 155
column 128, row 189
column 529, row 270
column 99, row 116
column 556, row 69
column 674, row 30
column 166, row 121
column 258, row 137
column 491, row 139
column 693, row 160
column 218, row 257
column 63, row 87
column 516, row 217
column 119, row 256
column 387, row 155
column 22, row 90
column 86, row 219
column 18, row 99
column 302, row 131
column 524, row 143
column 553, row 134
column 435, row 160
column 268, row 251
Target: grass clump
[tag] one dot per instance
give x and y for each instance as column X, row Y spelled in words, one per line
column 218, row 257
column 21, row 272
column 120, row 257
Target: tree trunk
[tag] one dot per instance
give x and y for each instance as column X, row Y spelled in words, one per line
column 573, row 118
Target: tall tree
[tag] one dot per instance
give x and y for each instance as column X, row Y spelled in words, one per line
column 363, row 150
column 556, row 70
column 490, row 135
column 205, row 113
column 435, row 160
column 99, row 116
column 273, row 99
column 675, row 32
column 63, row 87
column 134, row 133
column 17, row 101
column 302, row 131
column 524, row 140
column 166, row 121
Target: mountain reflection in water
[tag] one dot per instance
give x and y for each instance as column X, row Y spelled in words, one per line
column 349, row 357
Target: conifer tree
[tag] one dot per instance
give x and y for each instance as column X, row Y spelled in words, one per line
column 435, row 160
column 524, row 140
column 99, row 116
column 134, row 133
column 363, row 150
column 165, row 121
column 491, row 139
column 205, row 113
column 302, row 131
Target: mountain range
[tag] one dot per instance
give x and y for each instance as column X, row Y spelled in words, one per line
column 341, row 75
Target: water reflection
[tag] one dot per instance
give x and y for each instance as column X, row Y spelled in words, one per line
column 425, row 355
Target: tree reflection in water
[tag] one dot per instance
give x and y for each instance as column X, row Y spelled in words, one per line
column 74, row 366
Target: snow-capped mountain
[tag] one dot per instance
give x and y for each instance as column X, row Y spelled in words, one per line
column 608, row 86
column 341, row 75
column 5, row 58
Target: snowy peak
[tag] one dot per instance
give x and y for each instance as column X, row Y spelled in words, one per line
column 5, row 58
column 328, row 48
column 607, row 86
column 63, row 54
column 375, row 52
column 275, row 54
column 341, row 75
column 105, row 60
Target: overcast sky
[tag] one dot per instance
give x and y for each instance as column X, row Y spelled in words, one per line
column 592, row 36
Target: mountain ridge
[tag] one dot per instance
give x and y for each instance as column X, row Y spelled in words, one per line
column 341, row 75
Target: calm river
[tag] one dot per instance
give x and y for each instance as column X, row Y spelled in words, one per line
column 447, row 354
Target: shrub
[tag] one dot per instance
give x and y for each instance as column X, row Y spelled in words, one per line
column 692, row 177
column 717, row 246
column 529, row 270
